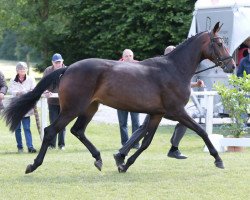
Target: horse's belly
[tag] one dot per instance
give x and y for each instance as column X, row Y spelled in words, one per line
column 133, row 103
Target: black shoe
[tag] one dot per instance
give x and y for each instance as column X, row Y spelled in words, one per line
column 31, row 150
column 176, row 154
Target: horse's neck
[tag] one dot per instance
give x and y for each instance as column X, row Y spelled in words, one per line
column 188, row 57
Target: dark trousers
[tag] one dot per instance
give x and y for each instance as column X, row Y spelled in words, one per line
column 54, row 111
column 178, row 134
column 123, row 122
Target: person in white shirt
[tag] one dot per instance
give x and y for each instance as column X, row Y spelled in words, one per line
column 21, row 84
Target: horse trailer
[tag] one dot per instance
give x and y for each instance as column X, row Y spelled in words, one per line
column 235, row 16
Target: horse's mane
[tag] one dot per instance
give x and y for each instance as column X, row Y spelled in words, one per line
column 186, row 42
column 183, row 44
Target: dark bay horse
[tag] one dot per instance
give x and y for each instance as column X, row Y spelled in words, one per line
column 157, row 86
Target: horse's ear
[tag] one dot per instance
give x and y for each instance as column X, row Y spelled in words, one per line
column 217, row 27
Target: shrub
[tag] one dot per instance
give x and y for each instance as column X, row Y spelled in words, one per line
column 236, row 101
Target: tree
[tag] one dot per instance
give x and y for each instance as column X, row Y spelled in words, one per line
column 147, row 27
column 8, row 45
column 81, row 29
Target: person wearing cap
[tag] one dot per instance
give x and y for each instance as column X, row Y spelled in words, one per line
column 3, row 89
column 21, row 84
column 53, row 103
column 180, row 129
column 127, row 56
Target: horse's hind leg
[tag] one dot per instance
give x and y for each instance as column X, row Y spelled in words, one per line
column 78, row 130
column 153, row 123
column 49, row 133
column 187, row 121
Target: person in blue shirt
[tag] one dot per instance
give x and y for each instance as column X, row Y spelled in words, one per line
column 244, row 65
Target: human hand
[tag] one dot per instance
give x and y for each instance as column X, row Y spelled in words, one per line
column 19, row 93
column 200, row 83
column 47, row 94
column 1, row 96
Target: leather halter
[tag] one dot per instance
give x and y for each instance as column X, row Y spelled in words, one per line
column 220, row 62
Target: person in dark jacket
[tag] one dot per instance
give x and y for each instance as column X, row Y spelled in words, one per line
column 180, row 129
column 53, row 103
column 244, row 65
column 3, row 89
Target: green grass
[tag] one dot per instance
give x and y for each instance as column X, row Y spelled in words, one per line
column 9, row 69
column 70, row 174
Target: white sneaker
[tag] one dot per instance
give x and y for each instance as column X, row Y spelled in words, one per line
column 62, row 148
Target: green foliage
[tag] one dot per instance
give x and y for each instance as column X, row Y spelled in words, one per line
column 147, row 27
column 236, row 101
column 7, row 48
column 81, row 29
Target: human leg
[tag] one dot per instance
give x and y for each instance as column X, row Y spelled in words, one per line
column 178, row 134
column 61, row 134
column 18, row 136
column 123, row 124
column 53, row 114
column 27, row 133
column 135, row 125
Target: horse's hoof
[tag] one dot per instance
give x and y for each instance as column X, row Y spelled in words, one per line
column 28, row 169
column 219, row 164
column 121, row 169
column 119, row 160
column 98, row 164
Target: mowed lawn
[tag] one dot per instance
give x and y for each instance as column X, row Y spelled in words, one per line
column 70, row 174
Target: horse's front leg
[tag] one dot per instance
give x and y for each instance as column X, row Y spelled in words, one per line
column 189, row 122
column 135, row 138
column 151, row 128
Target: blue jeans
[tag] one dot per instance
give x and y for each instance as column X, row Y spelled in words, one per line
column 123, row 122
column 26, row 127
column 54, row 111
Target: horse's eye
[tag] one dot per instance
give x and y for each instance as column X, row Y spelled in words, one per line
column 220, row 44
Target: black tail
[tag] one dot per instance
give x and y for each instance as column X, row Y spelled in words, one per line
column 19, row 106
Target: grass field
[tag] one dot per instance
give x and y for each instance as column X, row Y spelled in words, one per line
column 9, row 69
column 70, row 174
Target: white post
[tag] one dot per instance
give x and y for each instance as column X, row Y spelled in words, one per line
column 209, row 96
column 44, row 108
column 209, row 114
column 44, row 112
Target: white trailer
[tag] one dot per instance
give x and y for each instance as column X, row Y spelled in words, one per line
column 235, row 16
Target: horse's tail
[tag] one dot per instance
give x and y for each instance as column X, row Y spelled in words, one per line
column 19, row 106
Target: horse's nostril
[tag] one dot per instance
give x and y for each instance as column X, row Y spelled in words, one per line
column 233, row 67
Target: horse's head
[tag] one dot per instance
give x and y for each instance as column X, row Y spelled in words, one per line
column 218, row 53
